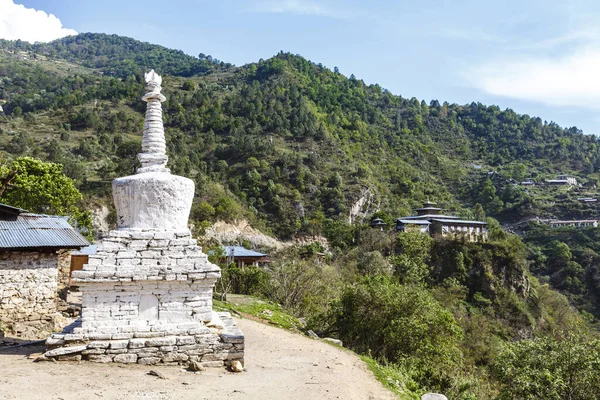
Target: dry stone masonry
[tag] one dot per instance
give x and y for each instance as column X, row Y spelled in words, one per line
column 147, row 292
column 28, row 284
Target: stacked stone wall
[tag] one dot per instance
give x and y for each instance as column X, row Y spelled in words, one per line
column 148, row 256
column 145, row 306
column 28, row 285
column 160, row 273
column 214, row 345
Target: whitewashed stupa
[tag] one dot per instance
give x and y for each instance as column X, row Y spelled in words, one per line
column 147, row 293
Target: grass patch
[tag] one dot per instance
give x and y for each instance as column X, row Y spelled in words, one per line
column 269, row 312
column 393, row 378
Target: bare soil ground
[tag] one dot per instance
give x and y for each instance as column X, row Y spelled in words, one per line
column 279, row 365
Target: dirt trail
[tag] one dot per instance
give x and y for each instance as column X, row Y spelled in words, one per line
column 279, row 365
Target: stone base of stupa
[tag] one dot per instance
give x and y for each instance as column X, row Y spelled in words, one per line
column 147, row 299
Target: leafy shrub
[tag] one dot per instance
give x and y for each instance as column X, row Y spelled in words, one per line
column 401, row 324
column 550, row 369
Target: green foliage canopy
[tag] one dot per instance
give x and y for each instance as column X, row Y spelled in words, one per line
column 399, row 323
column 550, row 369
column 42, row 187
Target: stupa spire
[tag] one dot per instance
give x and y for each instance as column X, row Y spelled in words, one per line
column 154, row 148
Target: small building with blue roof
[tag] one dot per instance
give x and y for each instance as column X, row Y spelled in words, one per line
column 243, row 256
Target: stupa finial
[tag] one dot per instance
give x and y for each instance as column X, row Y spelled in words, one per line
column 154, row 149
column 152, row 78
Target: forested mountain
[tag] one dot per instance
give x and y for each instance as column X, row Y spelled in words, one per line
column 118, row 56
column 295, row 142
column 299, row 150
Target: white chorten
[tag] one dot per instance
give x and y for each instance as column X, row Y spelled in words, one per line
column 147, row 293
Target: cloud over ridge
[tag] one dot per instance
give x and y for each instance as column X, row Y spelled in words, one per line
column 568, row 81
column 28, row 24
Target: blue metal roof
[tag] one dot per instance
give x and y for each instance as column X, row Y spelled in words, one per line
column 459, row 221
column 27, row 230
column 429, row 216
column 240, row 251
column 413, row 221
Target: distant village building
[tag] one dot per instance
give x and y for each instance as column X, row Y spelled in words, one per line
column 563, row 180
column 378, row 223
column 589, row 185
column 242, row 256
column 578, row 224
column 429, row 219
column 587, row 199
column 31, row 247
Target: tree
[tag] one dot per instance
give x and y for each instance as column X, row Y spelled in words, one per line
column 550, row 369
column 414, row 252
column 488, row 198
column 188, row 86
column 479, row 213
column 340, row 234
column 42, row 187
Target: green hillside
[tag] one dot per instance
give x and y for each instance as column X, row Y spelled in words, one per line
column 294, row 142
column 300, row 150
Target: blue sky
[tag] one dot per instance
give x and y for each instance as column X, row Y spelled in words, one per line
column 540, row 58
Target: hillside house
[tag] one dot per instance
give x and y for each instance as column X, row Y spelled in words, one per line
column 590, row 185
column 242, row 256
column 430, row 220
column 563, row 180
column 378, row 223
column 31, row 247
column 577, row 223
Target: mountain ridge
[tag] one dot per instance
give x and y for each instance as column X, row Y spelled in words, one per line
column 403, row 150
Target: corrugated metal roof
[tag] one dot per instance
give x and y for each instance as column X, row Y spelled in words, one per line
column 414, row 221
column 459, row 221
column 28, row 230
column 574, row 221
column 239, row 251
column 429, row 216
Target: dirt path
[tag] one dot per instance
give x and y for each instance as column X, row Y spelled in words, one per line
column 279, row 365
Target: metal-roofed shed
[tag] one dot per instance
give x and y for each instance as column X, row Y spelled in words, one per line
column 243, row 256
column 27, row 231
column 31, row 248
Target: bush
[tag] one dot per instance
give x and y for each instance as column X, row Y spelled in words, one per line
column 305, row 287
column 401, row 324
column 550, row 369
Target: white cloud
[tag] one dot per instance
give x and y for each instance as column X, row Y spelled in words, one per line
column 301, row 7
column 28, row 24
column 570, row 80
